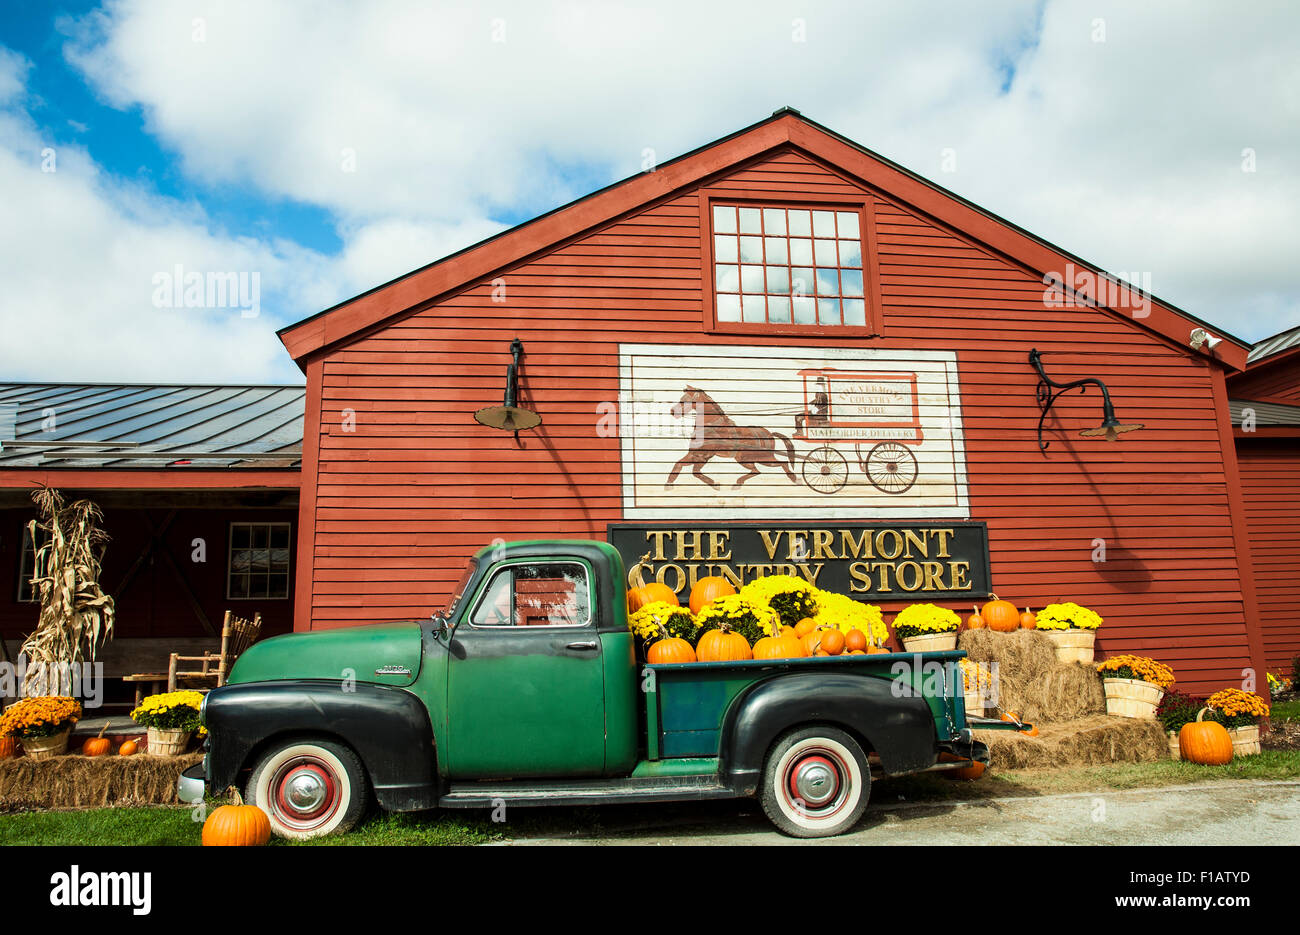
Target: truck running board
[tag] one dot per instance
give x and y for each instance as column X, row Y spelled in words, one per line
column 584, row 792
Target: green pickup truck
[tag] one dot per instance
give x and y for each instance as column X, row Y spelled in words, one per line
column 525, row 690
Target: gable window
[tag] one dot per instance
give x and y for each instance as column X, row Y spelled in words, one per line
column 788, row 267
column 258, row 566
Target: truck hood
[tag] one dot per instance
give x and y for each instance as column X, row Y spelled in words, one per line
column 382, row 653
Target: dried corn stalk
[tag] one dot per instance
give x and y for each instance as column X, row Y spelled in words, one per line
column 76, row 614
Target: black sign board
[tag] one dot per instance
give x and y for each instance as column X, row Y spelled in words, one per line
column 876, row 562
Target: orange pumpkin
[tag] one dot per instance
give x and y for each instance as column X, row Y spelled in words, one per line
column 832, row 641
column 804, row 627
column 968, row 773
column 876, row 649
column 1028, row 621
column 722, row 645
column 784, row 645
column 855, row 640
column 97, row 746
column 648, row 594
column 8, row 747
column 237, row 825
column 1206, row 742
column 1000, row 615
column 708, row 590
column 128, row 748
column 669, row 650
column 975, row 621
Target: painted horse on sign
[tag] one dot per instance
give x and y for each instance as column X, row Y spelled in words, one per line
column 717, row 436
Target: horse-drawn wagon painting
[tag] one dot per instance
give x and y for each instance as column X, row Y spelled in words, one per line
column 762, row 432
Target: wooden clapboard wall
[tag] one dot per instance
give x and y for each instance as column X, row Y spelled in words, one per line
column 407, row 484
column 1270, row 485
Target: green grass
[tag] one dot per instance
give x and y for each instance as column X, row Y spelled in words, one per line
column 1285, row 711
column 174, row 825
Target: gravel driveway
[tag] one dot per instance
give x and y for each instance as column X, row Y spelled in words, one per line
column 1235, row 812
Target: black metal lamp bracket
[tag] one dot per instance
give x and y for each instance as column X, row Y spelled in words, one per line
column 1048, row 391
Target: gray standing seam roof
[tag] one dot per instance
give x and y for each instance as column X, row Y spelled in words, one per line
column 1276, row 344
column 1266, row 414
column 83, row 425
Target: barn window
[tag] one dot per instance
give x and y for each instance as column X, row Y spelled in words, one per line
column 258, row 568
column 788, row 267
column 28, row 594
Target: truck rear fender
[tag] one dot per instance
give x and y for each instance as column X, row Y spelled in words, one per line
column 387, row 727
column 900, row 730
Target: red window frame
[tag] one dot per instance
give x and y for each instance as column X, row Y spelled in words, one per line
column 870, row 262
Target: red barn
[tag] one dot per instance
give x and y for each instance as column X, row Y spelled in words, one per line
column 785, row 339
column 1266, row 412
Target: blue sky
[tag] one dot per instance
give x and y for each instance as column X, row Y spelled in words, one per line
column 332, row 146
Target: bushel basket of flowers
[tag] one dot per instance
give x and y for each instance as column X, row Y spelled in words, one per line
column 41, row 724
column 171, row 719
column 1134, row 685
column 1240, row 712
column 1072, row 628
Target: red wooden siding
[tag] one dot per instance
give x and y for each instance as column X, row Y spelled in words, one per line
column 1270, row 481
column 1276, row 380
column 401, row 500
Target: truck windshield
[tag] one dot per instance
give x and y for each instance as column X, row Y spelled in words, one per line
column 458, row 593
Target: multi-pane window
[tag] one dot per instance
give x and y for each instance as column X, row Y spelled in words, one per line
column 259, row 561
column 26, row 566
column 797, row 266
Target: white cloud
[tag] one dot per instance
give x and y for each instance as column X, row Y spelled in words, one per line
column 414, row 129
column 1126, row 151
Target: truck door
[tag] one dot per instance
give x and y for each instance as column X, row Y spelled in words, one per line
column 525, row 683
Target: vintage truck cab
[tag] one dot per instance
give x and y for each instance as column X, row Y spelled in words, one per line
column 525, row 690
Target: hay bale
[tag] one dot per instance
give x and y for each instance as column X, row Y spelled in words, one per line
column 92, row 782
column 1089, row 741
column 1029, row 679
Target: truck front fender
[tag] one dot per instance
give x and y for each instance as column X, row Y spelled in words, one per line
column 900, row 730
column 387, row 727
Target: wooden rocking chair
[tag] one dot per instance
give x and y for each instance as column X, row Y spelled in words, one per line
column 237, row 634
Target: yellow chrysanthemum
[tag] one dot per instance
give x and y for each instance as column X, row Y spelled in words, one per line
column 1067, row 616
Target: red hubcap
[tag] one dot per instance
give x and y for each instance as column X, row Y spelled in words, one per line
column 304, row 793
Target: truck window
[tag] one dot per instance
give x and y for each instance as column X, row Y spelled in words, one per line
column 546, row 594
column 458, row 593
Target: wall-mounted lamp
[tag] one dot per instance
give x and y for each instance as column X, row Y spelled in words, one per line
column 510, row 417
column 1048, row 391
column 1201, row 338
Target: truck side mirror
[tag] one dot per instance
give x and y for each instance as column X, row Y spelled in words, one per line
column 441, row 624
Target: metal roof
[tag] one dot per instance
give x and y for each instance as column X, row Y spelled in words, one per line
column 1270, row 346
column 91, row 425
column 1265, row 413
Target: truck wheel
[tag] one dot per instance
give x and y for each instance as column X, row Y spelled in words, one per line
column 309, row 788
column 816, row 783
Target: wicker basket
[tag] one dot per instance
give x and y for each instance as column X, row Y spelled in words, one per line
column 930, row 642
column 974, row 703
column 44, row 748
column 1073, row 645
column 164, row 742
column 1132, row 697
column 1245, row 740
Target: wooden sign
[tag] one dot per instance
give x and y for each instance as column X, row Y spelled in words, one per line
column 911, row 561
column 773, row 432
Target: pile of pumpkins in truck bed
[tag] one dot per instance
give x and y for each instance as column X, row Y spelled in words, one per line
column 719, row 641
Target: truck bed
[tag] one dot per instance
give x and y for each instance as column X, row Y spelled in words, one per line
column 688, row 702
